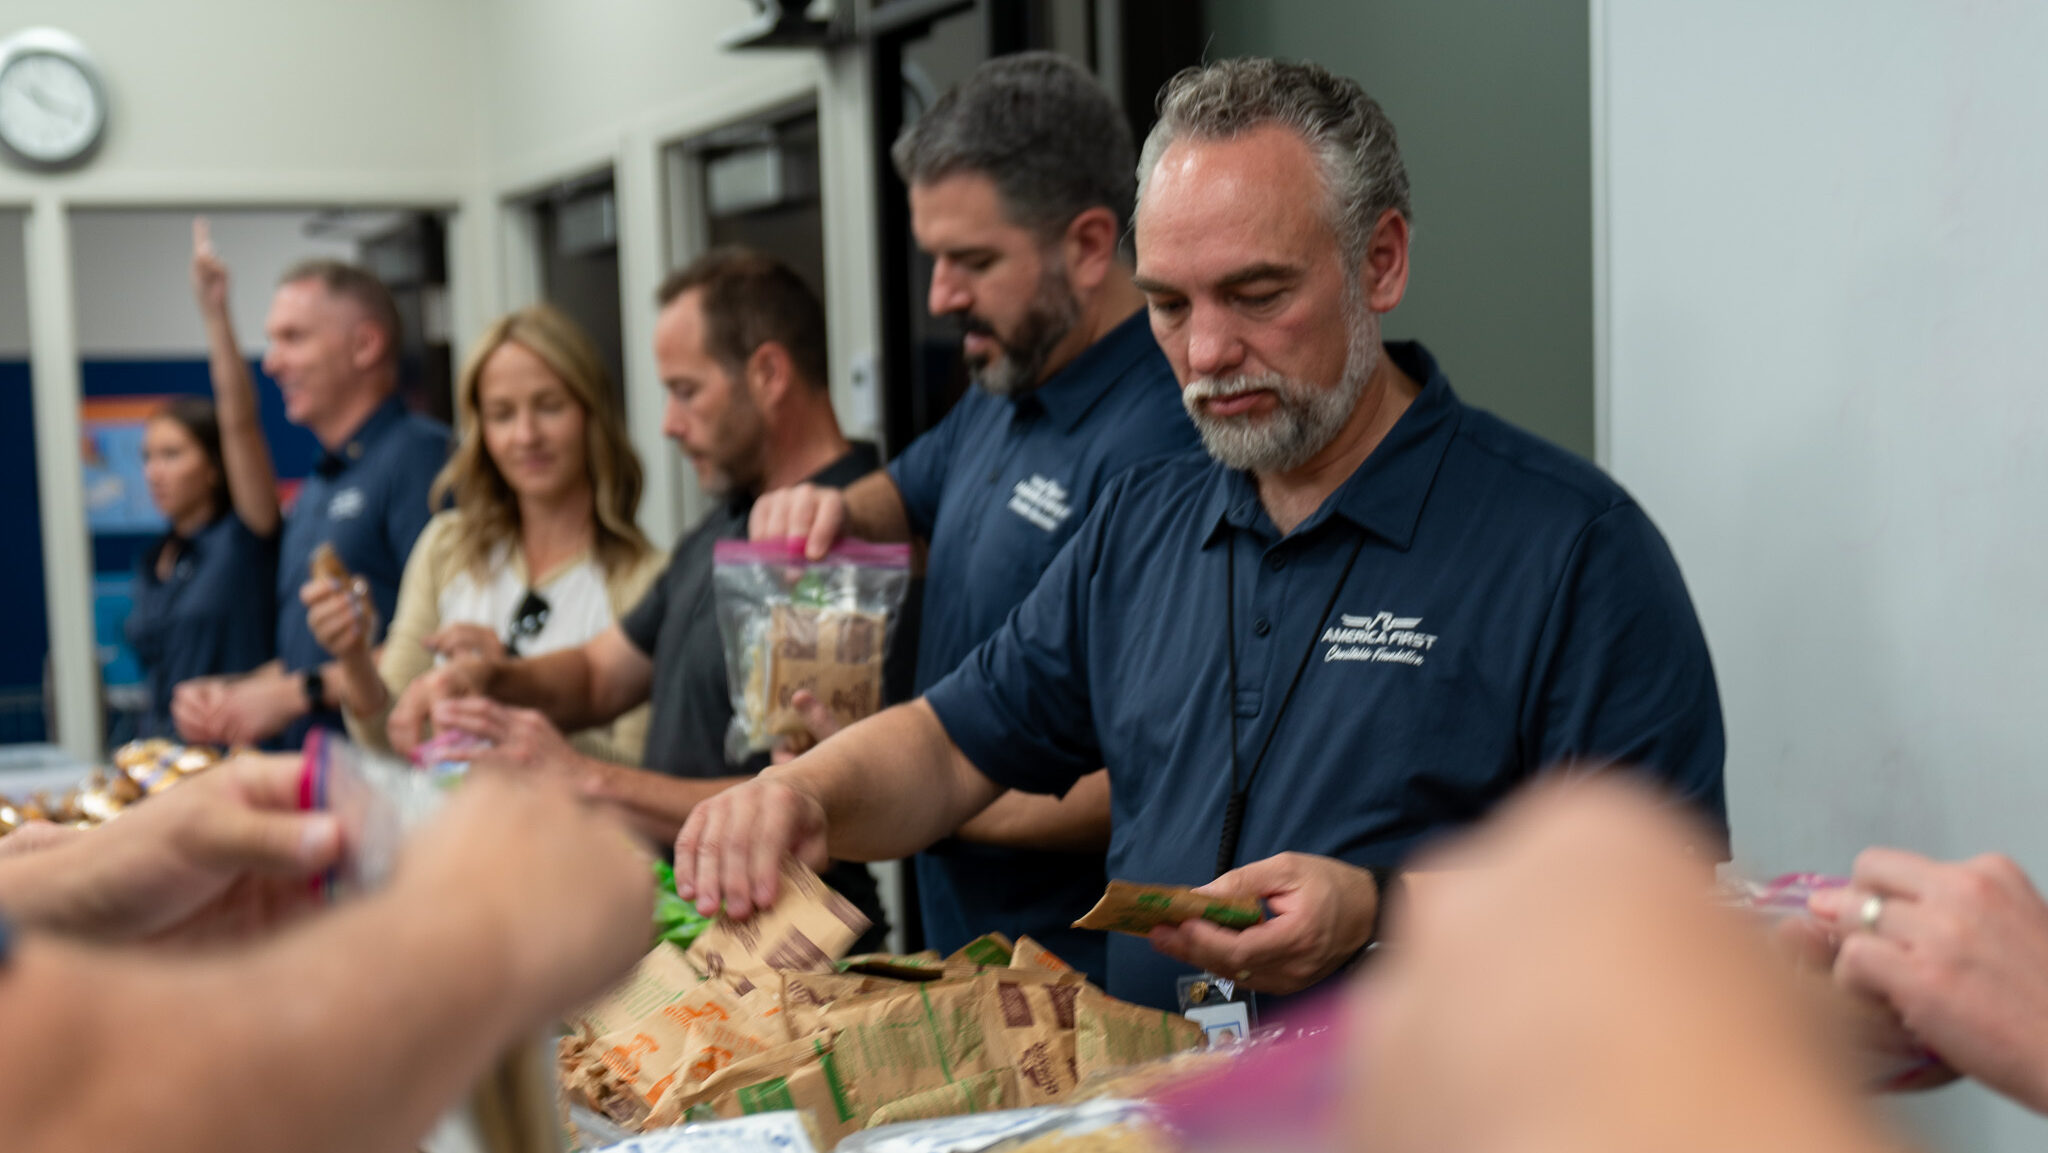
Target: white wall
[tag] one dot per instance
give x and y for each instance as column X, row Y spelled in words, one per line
column 1826, row 269
column 427, row 103
column 573, row 88
column 134, row 285
column 564, row 78
column 1489, row 101
column 240, row 98
column 221, row 102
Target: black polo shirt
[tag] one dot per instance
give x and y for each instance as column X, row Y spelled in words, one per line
column 676, row 626
column 1509, row 610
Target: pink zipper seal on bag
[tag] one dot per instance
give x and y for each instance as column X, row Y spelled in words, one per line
column 790, row 550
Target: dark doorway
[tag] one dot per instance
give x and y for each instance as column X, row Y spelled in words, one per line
column 919, row 49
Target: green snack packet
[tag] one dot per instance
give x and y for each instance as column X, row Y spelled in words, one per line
column 675, row 920
column 1136, row 909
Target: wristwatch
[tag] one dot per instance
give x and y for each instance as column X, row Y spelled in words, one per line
column 316, row 690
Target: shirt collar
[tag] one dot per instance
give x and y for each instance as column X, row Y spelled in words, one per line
column 1384, row 496
column 189, row 547
column 1068, row 394
column 334, row 462
column 860, row 458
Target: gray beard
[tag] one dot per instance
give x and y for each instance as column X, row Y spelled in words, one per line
column 1306, row 418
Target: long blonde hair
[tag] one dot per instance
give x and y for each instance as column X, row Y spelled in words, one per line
column 489, row 507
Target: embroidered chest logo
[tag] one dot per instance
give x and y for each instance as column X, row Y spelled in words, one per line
column 1041, row 501
column 1381, row 638
column 346, row 505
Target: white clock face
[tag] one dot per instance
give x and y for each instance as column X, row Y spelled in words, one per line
column 49, row 110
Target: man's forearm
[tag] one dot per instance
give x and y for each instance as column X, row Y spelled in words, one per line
column 891, row 785
column 1075, row 823
column 350, row 1033
column 654, row 803
column 558, row 685
column 874, row 509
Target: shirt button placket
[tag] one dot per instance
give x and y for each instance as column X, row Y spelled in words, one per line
column 1269, row 600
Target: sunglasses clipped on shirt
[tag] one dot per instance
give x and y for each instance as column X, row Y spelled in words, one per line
column 527, row 621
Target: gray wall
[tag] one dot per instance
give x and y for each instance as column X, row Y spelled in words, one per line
column 1492, row 102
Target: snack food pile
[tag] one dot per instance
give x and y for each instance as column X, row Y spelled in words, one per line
column 140, row 769
column 756, row 1017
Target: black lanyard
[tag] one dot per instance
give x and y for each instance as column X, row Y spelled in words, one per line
column 1233, row 816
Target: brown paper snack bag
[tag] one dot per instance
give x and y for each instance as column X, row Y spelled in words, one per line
column 669, row 1034
column 684, row 1041
column 1136, row 909
column 711, row 1047
column 835, row 655
column 889, row 1047
column 586, row 1079
column 1036, row 1035
column 805, row 997
column 925, row 966
column 801, row 1075
column 1110, row 1034
column 808, row 927
column 1029, row 954
column 676, row 1105
column 661, row 977
column 990, row 950
column 981, row 1093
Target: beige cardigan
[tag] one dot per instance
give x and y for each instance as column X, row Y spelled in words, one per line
column 428, row 571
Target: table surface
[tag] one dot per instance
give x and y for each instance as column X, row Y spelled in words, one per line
column 29, row 769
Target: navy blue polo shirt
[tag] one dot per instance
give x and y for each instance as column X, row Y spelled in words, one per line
column 1509, row 609
column 213, row 616
column 998, row 488
column 369, row 498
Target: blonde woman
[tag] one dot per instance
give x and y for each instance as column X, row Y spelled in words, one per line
column 540, row 551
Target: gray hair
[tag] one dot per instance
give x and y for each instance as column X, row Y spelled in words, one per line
column 1350, row 135
column 1039, row 127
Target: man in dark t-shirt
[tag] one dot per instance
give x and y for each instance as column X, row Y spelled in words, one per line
column 741, row 346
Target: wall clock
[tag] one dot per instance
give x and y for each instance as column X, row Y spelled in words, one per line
column 53, row 103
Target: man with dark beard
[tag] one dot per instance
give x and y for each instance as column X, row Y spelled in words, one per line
column 1373, row 615
column 740, row 343
column 1020, row 189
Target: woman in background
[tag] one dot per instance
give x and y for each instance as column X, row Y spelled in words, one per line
column 202, row 605
column 540, row 551
column 204, row 593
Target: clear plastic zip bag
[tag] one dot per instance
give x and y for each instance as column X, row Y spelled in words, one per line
column 790, row 624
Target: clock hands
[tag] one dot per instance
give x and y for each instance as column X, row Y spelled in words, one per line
column 41, row 98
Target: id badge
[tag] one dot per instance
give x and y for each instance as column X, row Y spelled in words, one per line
column 1225, row 1011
